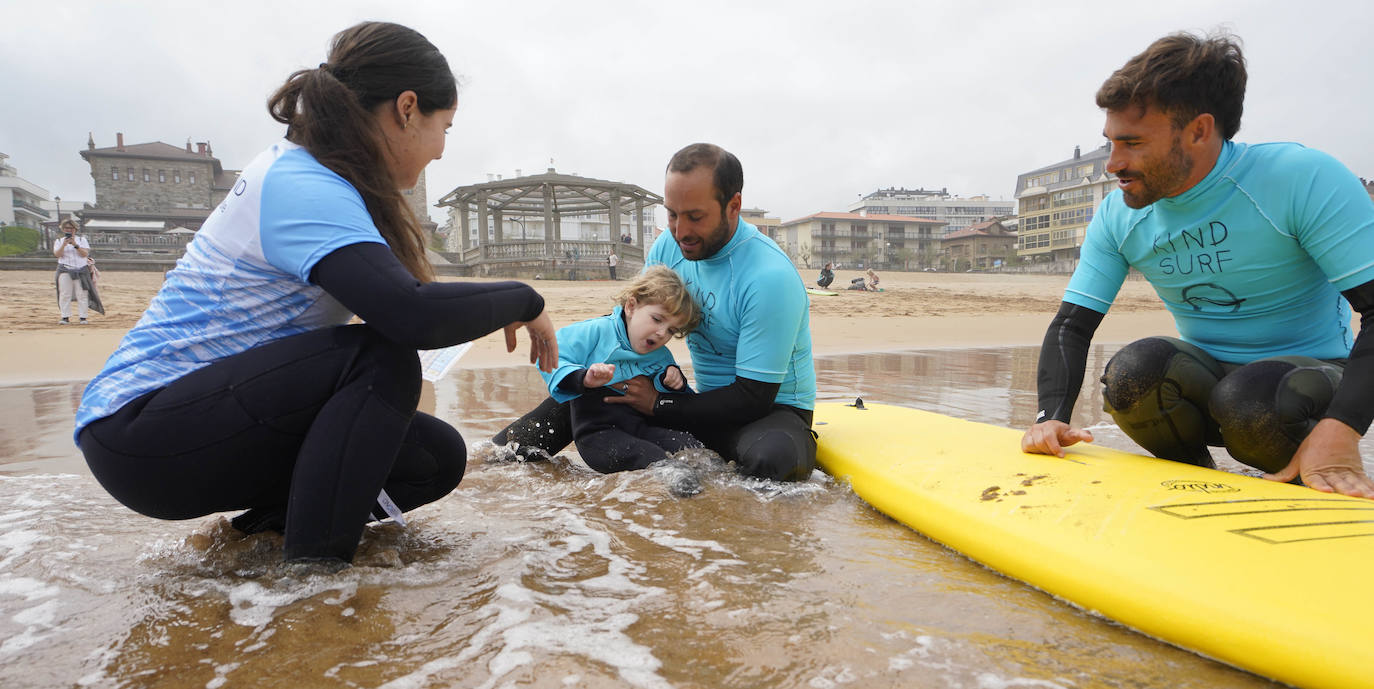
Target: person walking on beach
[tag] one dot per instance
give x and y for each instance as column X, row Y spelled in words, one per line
column 612, row 261
column 1258, row 250
column 597, row 357
column 74, row 277
column 751, row 356
column 241, row 388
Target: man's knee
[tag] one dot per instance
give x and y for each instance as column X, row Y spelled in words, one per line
column 1265, row 409
column 1136, row 370
column 778, row 455
column 1156, row 390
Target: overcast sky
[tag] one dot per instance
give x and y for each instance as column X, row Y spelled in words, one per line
column 822, row 101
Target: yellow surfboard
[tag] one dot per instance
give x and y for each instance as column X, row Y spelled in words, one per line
column 1272, row 578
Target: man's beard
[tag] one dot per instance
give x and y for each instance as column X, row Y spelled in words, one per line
column 1158, row 178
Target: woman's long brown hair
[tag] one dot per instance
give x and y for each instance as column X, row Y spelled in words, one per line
column 329, row 112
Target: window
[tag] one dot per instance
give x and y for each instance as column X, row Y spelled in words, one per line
column 193, row 178
column 114, row 173
column 162, row 176
column 1073, row 197
column 176, row 176
column 131, row 174
column 1035, row 222
column 146, row 174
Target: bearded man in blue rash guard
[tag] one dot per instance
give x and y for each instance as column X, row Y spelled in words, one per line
column 1259, row 251
column 751, row 354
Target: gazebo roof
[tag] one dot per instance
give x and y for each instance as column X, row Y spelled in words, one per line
column 570, row 194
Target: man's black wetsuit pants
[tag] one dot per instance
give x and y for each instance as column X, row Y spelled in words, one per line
column 1174, row 399
column 779, row 446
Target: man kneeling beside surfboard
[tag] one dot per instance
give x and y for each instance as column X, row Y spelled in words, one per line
column 1258, row 250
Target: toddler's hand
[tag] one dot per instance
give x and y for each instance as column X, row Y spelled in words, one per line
column 672, row 378
column 598, row 375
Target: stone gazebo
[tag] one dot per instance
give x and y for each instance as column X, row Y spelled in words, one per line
column 524, row 220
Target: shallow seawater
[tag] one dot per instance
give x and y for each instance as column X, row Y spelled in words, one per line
column 550, row 575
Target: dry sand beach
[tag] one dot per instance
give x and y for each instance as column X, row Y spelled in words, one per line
column 916, row 310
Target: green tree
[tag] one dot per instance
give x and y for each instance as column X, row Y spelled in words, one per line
column 16, row 240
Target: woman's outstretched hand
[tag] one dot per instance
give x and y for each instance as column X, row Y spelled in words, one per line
column 543, row 342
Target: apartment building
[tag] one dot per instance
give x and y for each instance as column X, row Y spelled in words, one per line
column 855, row 240
column 980, row 247
column 21, row 201
column 957, row 213
column 1056, row 203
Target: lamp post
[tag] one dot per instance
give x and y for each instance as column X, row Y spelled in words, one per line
column 57, row 200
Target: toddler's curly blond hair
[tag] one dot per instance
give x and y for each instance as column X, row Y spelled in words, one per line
column 662, row 286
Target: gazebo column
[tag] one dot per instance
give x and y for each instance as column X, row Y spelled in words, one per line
column 482, row 223
column 638, row 239
column 465, row 227
column 550, row 229
column 497, row 221
column 615, row 215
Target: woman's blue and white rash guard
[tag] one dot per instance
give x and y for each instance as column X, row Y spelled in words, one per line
column 245, row 278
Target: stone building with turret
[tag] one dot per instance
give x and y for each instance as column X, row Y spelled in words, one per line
column 154, row 184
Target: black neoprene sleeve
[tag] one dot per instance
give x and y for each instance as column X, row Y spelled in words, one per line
column 1353, row 404
column 741, row 402
column 1063, row 359
column 369, row 281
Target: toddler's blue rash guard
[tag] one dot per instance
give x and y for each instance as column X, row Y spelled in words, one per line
column 604, row 340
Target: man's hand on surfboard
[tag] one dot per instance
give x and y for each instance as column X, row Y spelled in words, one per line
column 1329, row 461
column 1051, row 437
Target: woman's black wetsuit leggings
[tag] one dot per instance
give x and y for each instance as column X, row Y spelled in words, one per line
column 303, row 432
column 1174, row 399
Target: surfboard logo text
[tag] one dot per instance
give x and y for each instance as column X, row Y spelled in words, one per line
column 1198, row 486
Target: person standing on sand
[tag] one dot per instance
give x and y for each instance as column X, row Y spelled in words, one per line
column 751, row 355
column 1258, row 250
column 612, row 261
column 241, row 388
column 74, row 275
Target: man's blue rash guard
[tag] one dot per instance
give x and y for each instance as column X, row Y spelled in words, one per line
column 1250, row 261
column 603, row 340
column 756, row 320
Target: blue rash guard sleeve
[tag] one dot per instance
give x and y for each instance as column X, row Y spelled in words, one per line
column 768, row 326
column 1101, row 269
